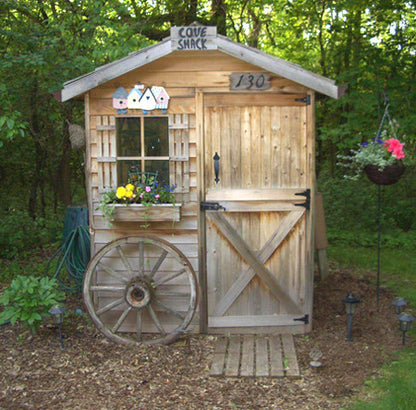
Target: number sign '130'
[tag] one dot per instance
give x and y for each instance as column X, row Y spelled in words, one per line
column 249, row 81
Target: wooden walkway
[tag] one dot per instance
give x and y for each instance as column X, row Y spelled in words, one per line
column 255, row 356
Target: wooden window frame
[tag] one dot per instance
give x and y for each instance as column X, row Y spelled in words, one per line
column 142, row 157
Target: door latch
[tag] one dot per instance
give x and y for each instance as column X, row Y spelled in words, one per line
column 211, row 206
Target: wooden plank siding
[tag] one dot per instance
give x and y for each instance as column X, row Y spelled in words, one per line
column 194, row 82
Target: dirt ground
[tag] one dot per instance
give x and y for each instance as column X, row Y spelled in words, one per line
column 93, row 372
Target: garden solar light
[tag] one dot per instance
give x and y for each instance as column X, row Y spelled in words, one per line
column 399, row 304
column 350, row 303
column 57, row 313
column 406, row 320
column 315, row 355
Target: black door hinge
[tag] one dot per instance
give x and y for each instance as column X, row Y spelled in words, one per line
column 304, row 319
column 307, row 195
column 306, row 100
column 211, row 206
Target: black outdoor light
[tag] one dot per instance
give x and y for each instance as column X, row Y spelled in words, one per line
column 350, row 303
column 57, row 313
column 399, row 304
column 405, row 323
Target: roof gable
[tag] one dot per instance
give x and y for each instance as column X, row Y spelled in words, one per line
column 250, row 55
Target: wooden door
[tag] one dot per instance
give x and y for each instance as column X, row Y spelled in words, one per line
column 258, row 249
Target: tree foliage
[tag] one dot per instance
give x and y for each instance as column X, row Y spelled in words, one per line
column 368, row 45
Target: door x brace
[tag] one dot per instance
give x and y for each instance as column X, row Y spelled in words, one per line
column 256, row 261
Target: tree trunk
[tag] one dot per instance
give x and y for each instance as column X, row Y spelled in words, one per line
column 219, row 16
column 63, row 177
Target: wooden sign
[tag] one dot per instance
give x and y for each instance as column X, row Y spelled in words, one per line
column 193, row 38
column 250, row 81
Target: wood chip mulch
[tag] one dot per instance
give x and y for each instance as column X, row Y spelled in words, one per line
column 93, row 372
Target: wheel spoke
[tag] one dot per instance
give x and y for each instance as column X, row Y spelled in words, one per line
column 139, row 325
column 141, row 259
column 111, row 305
column 169, row 293
column 155, row 319
column 169, row 277
column 112, row 272
column 121, row 319
column 108, row 288
column 168, row 309
column 158, row 263
column 125, row 261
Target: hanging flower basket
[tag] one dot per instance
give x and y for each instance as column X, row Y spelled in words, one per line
column 388, row 176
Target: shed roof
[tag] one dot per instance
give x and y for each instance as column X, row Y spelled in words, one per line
column 278, row 66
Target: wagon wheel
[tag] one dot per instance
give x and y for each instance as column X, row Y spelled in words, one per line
column 140, row 289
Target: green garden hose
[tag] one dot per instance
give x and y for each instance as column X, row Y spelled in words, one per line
column 74, row 254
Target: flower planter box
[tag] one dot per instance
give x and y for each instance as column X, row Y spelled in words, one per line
column 142, row 213
column 388, row 176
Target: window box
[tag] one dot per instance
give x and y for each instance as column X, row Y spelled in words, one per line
column 143, row 213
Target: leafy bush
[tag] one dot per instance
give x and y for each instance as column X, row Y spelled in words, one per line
column 353, row 205
column 18, row 232
column 27, row 299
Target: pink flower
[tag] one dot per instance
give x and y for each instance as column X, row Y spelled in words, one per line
column 141, row 195
column 394, row 146
column 148, row 189
column 157, row 196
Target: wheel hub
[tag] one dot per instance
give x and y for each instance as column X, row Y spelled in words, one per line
column 138, row 293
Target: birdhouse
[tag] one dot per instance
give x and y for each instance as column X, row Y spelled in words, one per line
column 133, row 98
column 147, row 101
column 120, row 98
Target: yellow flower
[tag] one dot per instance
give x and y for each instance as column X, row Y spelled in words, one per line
column 130, row 187
column 128, row 194
column 121, row 192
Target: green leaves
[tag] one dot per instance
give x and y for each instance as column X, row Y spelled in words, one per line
column 27, row 299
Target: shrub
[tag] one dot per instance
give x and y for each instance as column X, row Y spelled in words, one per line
column 27, row 299
column 18, row 232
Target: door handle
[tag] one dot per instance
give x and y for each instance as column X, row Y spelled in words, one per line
column 216, row 159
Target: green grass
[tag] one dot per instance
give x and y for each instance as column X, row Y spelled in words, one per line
column 397, row 268
column 396, row 387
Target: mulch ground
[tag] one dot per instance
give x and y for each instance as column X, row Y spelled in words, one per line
column 93, row 372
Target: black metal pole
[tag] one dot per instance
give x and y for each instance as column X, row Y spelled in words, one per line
column 349, row 328
column 60, row 337
column 379, row 245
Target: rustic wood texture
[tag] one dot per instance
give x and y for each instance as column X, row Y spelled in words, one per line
column 242, row 54
column 140, row 285
column 137, row 212
column 264, row 152
column 179, row 152
column 255, row 356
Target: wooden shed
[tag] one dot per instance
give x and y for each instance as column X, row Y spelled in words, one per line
column 235, row 131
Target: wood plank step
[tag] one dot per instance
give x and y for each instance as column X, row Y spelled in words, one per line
column 255, row 356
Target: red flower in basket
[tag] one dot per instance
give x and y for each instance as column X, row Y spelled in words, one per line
column 394, row 146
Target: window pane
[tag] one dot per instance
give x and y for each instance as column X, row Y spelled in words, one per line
column 156, row 137
column 128, row 137
column 127, row 171
column 161, row 167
